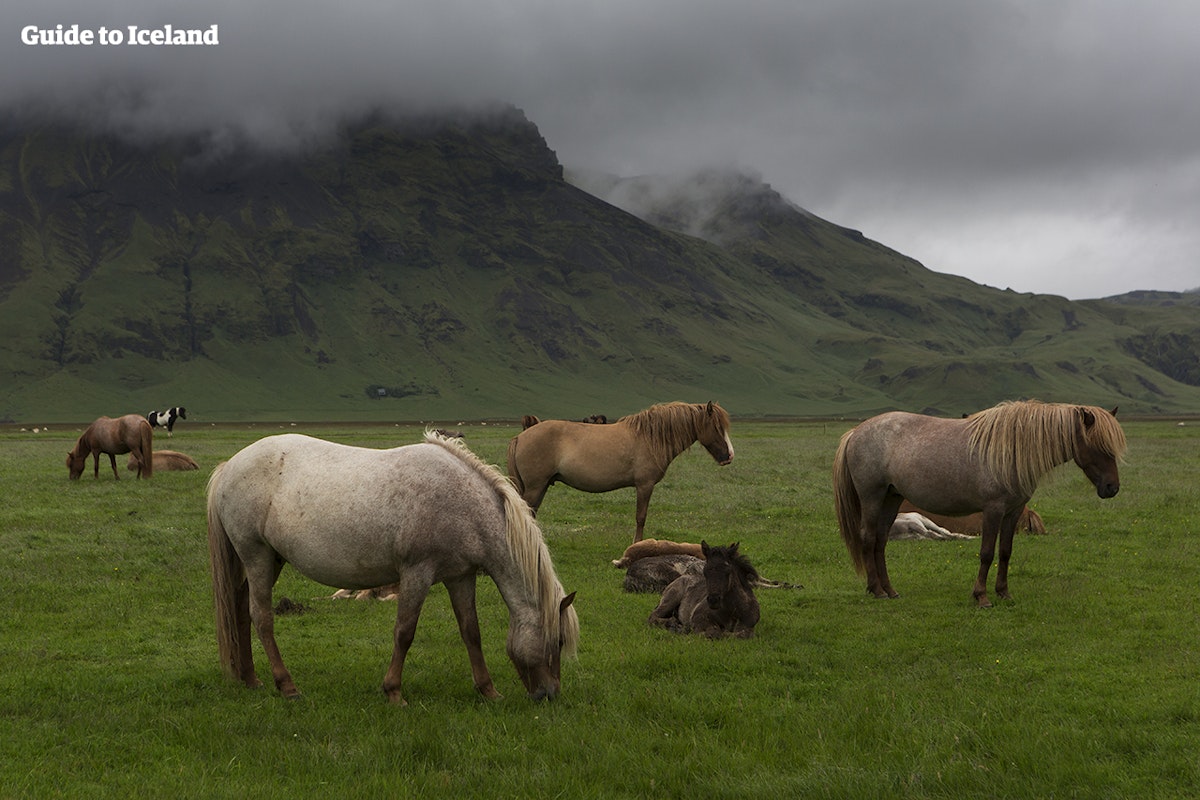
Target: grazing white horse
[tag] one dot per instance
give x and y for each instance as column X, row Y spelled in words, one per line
column 355, row 517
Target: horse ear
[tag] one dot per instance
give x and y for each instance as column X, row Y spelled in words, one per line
column 1089, row 419
column 709, row 408
column 566, row 602
column 1114, row 411
column 704, row 548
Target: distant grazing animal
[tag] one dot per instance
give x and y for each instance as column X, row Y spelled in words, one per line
column 633, row 451
column 449, row 434
column 719, row 602
column 166, row 461
column 355, row 517
column 991, row 462
column 1029, row 521
column 128, row 434
column 528, row 421
column 166, row 419
column 596, row 419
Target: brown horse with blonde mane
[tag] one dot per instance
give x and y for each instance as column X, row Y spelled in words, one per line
column 990, row 462
column 633, row 451
column 128, row 434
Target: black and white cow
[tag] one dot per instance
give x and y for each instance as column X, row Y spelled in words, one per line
column 166, row 419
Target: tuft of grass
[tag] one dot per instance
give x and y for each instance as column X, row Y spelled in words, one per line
column 1084, row 686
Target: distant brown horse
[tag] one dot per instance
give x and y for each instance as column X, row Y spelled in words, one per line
column 633, row 451
column 719, row 602
column 1029, row 521
column 991, row 462
column 128, row 434
column 166, row 461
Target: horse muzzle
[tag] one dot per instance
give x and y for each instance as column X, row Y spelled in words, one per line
column 714, row 601
column 1107, row 490
column 545, row 692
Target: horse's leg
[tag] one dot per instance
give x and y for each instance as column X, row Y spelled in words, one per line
column 992, row 520
column 462, row 599
column 666, row 613
column 112, row 459
column 1008, row 526
column 534, row 494
column 96, row 465
column 261, row 578
column 411, row 590
column 883, row 529
column 877, row 519
column 245, row 668
column 643, row 504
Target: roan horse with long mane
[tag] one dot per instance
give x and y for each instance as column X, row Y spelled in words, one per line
column 128, row 434
column 633, row 451
column 356, row 517
column 991, row 461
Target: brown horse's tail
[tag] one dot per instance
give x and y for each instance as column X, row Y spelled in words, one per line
column 230, row 594
column 147, row 468
column 848, row 505
column 514, row 474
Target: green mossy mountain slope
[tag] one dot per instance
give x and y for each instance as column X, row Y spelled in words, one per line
column 445, row 269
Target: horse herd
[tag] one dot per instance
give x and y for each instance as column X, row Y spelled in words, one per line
column 413, row 516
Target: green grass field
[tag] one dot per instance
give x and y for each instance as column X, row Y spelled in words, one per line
column 1087, row 685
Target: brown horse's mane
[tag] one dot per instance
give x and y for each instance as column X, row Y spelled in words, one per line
column 1026, row 439
column 671, row 428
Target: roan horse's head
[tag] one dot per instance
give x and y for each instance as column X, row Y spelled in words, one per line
column 538, row 666
column 1098, row 447
column 714, row 433
column 75, row 464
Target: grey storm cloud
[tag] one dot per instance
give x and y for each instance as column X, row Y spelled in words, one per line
column 1048, row 147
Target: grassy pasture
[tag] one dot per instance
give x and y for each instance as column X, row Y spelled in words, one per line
column 1087, row 685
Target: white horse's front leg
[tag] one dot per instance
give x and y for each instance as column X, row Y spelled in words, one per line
column 462, row 600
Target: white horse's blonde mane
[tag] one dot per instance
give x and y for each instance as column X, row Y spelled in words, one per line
column 528, row 549
column 1026, row 439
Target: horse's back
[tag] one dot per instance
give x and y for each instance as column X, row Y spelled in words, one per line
column 351, row 516
column 583, row 455
column 924, row 459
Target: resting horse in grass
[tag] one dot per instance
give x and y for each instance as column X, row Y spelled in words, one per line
column 719, row 602
column 991, row 462
column 355, row 517
column 128, row 434
column 633, row 451
column 166, row 461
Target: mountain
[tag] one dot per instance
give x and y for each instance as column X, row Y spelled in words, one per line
column 444, row 268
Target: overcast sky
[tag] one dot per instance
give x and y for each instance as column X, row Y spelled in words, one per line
column 1040, row 145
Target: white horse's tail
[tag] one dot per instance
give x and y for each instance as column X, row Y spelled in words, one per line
column 230, row 593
